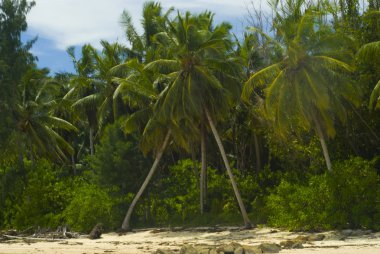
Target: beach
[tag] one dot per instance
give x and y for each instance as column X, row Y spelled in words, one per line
column 151, row 240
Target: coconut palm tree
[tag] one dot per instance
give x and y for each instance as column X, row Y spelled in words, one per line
column 154, row 21
column 201, row 78
column 37, row 125
column 83, row 89
column 310, row 85
column 367, row 52
column 108, row 64
column 140, row 92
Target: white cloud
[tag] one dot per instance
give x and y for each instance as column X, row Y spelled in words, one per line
column 75, row 22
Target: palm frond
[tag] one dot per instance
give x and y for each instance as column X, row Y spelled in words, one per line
column 88, row 101
column 369, row 51
column 131, row 86
column 332, row 63
column 164, row 66
column 374, row 102
column 260, row 79
column 61, row 124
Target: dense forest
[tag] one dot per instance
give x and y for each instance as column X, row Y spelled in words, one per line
column 187, row 123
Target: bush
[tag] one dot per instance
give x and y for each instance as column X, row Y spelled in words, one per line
column 89, row 206
column 349, row 197
column 45, row 196
column 295, row 206
column 178, row 198
column 118, row 162
column 355, row 194
column 175, row 196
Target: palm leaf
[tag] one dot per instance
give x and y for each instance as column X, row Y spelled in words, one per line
column 332, row 63
column 260, row 79
column 374, row 102
column 369, row 51
column 131, row 86
column 88, row 101
column 164, row 66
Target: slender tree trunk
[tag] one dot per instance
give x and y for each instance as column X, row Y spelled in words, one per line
column 195, row 166
column 91, row 141
column 203, row 187
column 257, row 152
column 247, row 222
column 21, row 164
column 125, row 226
column 323, row 144
column 74, row 164
column 3, row 186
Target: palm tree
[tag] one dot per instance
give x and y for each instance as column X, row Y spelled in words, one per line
column 367, row 52
column 37, row 123
column 255, row 51
column 83, row 90
column 201, row 78
column 310, row 85
column 139, row 92
column 154, row 21
column 107, row 65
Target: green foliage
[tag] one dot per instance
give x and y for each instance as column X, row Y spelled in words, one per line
column 118, row 162
column 178, row 199
column 175, row 197
column 89, row 206
column 43, row 199
column 15, row 60
column 347, row 198
column 296, row 206
column 50, row 198
column 301, row 78
column 295, row 154
column 355, row 192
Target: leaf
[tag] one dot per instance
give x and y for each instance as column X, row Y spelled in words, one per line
column 374, row 102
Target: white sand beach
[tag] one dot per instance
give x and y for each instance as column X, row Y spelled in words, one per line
column 149, row 240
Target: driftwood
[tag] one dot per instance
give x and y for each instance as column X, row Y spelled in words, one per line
column 42, row 235
column 33, row 238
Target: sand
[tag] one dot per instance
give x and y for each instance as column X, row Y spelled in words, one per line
column 149, row 240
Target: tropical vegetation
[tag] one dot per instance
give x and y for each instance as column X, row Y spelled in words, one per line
column 190, row 123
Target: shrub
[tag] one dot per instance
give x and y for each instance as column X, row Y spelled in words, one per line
column 349, row 197
column 177, row 200
column 178, row 197
column 45, row 196
column 89, row 206
column 295, row 206
column 355, row 190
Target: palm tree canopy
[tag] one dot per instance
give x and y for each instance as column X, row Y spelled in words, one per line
column 199, row 68
column 36, row 119
column 367, row 53
column 311, row 83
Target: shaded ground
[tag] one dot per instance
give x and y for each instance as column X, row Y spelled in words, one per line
column 149, row 240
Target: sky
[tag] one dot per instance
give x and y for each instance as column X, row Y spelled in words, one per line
column 63, row 23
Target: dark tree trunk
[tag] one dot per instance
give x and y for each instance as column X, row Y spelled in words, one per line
column 203, row 178
column 91, row 141
column 257, row 152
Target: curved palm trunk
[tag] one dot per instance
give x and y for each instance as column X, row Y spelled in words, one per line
column 247, row 222
column 203, row 187
column 324, row 145
column 125, row 226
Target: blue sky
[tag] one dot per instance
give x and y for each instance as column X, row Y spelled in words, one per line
column 62, row 23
